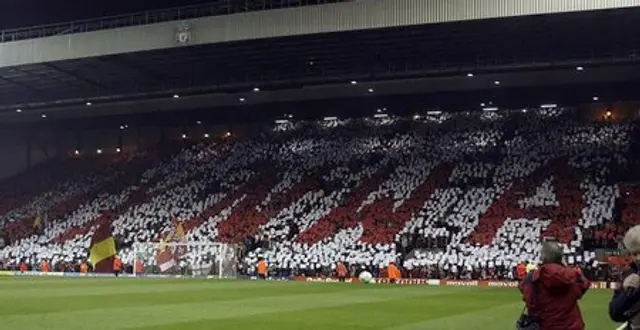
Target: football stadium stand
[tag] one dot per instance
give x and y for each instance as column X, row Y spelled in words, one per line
column 459, row 195
column 147, row 157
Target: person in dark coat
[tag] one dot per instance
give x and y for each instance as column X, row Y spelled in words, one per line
column 552, row 291
column 625, row 304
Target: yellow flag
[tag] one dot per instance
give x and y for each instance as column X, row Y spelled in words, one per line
column 37, row 222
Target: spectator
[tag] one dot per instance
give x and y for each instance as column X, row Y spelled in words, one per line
column 625, row 304
column 552, row 291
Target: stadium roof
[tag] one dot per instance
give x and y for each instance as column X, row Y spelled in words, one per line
column 225, row 72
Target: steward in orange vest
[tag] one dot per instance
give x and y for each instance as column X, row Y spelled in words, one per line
column 46, row 266
column 117, row 265
column 262, row 269
column 84, row 268
column 393, row 272
column 341, row 271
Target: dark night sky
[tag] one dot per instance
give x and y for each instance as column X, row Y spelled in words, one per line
column 24, row 13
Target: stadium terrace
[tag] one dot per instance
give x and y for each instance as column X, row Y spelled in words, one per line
column 320, row 164
column 467, row 196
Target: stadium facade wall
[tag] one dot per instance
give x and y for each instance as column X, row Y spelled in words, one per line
column 339, row 17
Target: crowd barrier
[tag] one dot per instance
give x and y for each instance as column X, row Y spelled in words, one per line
column 125, row 275
column 403, row 281
column 456, row 283
column 70, row 274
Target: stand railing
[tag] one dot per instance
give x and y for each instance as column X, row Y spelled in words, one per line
column 217, row 8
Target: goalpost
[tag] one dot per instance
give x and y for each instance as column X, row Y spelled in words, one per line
column 217, row 260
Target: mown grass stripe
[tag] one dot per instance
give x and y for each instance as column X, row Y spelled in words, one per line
column 188, row 304
column 124, row 286
column 488, row 317
column 98, row 297
column 375, row 314
column 114, row 317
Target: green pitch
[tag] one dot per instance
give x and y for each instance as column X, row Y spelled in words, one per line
column 97, row 304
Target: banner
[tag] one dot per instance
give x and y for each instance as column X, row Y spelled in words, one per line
column 456, row 283
column 325, row 279
column 255, row 278
column 502, row 284
column 459, row 283
column 404, row 281
column 34, row 273
column 512, row 284
column 410, row 281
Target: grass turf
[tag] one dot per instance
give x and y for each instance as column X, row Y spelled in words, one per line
column 187, row 304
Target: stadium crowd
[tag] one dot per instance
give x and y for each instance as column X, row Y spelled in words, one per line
column 467, row 195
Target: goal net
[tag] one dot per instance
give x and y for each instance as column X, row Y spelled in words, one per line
column 185, row 259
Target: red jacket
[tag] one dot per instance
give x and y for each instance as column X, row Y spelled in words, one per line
column 557, row 291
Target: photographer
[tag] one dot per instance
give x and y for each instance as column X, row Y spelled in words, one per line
column 625, row 304
column 552, row 291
